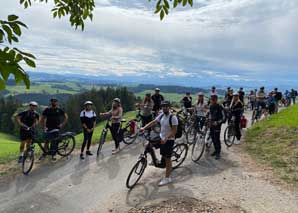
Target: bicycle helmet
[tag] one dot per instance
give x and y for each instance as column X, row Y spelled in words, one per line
column 165, row 103
column 117, row 100
column 88, row 103
column 33, row 103
column 235, row 94
column 157, row 89
column 200, row 94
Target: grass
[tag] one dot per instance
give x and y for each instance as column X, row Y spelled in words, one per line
column 275, row 142
column 9, row 145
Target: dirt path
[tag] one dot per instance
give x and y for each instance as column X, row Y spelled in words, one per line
column 232, row 184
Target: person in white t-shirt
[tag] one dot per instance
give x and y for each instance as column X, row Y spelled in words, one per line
column 88, row 119
column 167, row 134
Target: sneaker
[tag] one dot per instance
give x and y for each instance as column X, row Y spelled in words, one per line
column 115, row 151
column 42, row 156
column 89, row 153
column 20, row 159
column 54, row 158
column 165, row 181
column 82, row 156
column 217, row 157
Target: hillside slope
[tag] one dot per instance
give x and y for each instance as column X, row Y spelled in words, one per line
column 275, row 142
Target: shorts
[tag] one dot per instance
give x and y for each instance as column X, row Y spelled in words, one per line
column 26, row 135
column 51, row 136
column 166, row 149
column 261, row 104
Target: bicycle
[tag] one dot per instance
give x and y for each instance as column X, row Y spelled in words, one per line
column 202, row 142
column 178, row 156
column 64, row 145
column 129, row 133
column 230, row 132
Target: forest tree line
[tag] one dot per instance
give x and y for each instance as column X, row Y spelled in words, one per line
column 102, row 99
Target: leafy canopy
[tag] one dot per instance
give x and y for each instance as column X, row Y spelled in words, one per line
column 12, row 59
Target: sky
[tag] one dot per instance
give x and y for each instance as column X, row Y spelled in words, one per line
column 222, row 42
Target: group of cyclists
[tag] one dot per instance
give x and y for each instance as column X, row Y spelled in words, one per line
column 154, row 109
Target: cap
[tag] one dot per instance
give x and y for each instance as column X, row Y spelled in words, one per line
column 235, row 94
column 33, row 103
column 200, row 94
column 262, row 87
column 165, row 103
column 213, row 87
column 117, row 100
column 88, row 103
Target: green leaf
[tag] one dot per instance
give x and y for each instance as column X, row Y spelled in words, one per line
column 55, row 14
column 12, row 17
column 167, row 4
column 176, row 2
column 4, row 72
column 2, row 84
column 1, row 35
column 15, row 39
column 162, row 14
column 19, row 57
column 8, row 31
column 158, row 8
column 184, row 3
column 85, row 14
column 29, row 62
column 21, row 23
column 26, row 5
column 190, row 2
column 24, row 53
column 16, row 29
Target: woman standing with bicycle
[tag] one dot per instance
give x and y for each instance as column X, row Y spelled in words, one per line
column 88, row 119
column 116, row 115
column 237, row 111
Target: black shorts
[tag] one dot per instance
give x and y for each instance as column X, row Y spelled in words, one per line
column 26, row 135
column 166, row 149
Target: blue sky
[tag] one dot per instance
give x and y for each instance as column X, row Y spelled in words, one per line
column 226, row 42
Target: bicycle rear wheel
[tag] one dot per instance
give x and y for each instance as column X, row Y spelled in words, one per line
column 191, row 135
column 198, row 148
column 66, row 146
column 101, row 141
column 179, row 154
column 136, row 173
column 229, row 136
column 28, row 161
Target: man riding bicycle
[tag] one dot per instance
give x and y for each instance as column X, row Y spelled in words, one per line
column 53, row 118
column 168, row 123
column 27, row 120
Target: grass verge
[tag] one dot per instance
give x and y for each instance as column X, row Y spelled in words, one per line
column 274, row 142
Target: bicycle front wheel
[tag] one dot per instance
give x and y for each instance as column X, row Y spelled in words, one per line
column 28, row 161
column 198, row 148
column 179, row 154
column 66, row 146
column 229, row 136
column 101, row 141
column 136, row 173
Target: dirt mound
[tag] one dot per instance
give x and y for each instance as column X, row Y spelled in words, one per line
column 186, row 205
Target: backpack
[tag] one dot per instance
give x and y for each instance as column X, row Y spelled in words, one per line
column 278, row 96
column 179, row 132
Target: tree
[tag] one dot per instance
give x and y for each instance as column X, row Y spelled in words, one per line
column 78, row 11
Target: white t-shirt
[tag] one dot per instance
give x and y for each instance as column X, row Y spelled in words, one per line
column 88, row 114
column 165, row 127
column 201, row 109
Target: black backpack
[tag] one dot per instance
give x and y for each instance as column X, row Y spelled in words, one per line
column 179, row 132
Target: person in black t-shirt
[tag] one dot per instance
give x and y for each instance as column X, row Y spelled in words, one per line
column 27, row 120
column 237, row 111
column 88, row 119
column 157, row 99
column 52, row 118
column 216, row 117
column 187, row 101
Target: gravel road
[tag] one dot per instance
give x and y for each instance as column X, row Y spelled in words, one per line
column 98, row 185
